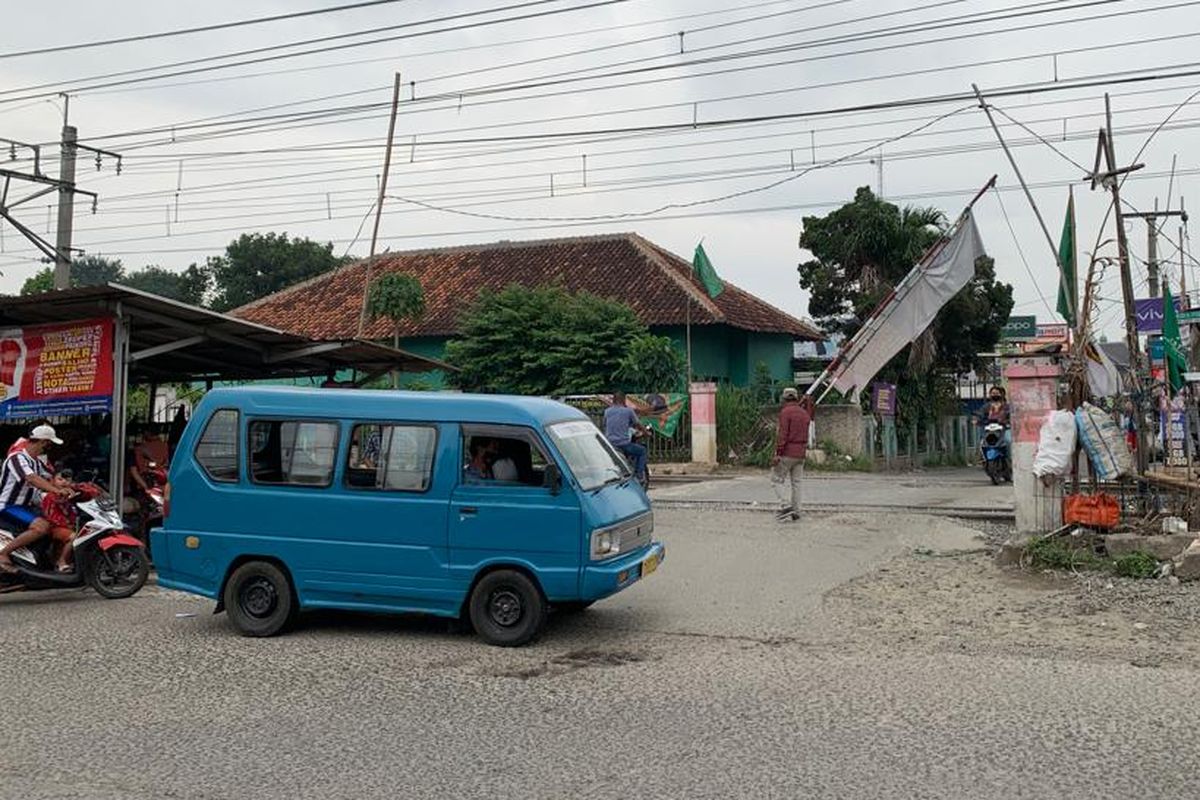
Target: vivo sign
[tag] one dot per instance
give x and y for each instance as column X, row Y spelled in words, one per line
column 1149, row 312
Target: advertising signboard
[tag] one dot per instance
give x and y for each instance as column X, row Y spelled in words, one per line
column 883, row 399
column 1149, row 311
column 1019, row 327
column 56, row 370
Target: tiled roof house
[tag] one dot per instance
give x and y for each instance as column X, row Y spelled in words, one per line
column 730, row 334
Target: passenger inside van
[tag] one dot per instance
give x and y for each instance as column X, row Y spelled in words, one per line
column 504, row 460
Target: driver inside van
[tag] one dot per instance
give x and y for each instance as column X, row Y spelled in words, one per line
column 478, row 468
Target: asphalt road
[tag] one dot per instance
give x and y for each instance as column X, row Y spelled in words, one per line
column 723, row 675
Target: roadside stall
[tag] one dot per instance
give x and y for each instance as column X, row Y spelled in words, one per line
column 71, row 358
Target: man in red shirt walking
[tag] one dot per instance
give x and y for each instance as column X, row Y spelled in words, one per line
column 791, row 448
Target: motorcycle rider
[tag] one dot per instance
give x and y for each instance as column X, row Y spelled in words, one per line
column 619, row 419
column 997, row 411
column 22, row 480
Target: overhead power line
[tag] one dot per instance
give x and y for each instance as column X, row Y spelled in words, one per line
column 458, row 50
column 277, row 122
column 73, row 86
column 214, row 162
column 219, row 26
column 507, row 230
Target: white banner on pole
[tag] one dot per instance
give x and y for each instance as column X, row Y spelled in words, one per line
column 911, row 308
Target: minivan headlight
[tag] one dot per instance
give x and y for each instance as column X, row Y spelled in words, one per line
column 605, row 542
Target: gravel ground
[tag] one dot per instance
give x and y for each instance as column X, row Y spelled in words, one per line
column 963, row 602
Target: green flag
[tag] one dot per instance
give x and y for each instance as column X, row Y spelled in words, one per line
column 706, row 273
column 1068, row 289
column 1172, row 342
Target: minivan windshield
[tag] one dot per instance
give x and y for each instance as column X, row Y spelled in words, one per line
column 591, row 458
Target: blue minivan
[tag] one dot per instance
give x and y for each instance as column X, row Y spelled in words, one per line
column 489, row 508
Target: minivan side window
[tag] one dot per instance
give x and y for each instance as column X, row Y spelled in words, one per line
column 502, row 455
column 292, row 452
column 217, row 450
column 395, row 458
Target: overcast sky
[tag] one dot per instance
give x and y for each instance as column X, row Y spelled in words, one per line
column 154, row 213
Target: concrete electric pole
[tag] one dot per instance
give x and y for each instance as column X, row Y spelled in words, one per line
column 66, row 207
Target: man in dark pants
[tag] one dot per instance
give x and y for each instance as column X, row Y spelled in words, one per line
column 619, row 420
column 791, row 448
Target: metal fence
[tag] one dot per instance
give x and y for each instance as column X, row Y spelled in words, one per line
column 662, row 449
column 954, row 439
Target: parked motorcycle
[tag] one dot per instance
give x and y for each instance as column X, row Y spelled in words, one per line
column 107, row 558
column 152, row 501
column 993, row 448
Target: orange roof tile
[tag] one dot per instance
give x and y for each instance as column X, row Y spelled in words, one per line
column 652, row 281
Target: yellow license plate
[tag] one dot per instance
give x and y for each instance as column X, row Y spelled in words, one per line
column 649, row 565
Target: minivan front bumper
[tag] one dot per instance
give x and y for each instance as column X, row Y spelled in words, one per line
column 601, row 580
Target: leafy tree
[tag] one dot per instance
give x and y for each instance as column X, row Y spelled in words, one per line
column 651, row 364
column 398, row 297
column 860, row 252
column 541, row 341
column 40, row 281
column 188, row 286
column 85, row 271
column 255, row 265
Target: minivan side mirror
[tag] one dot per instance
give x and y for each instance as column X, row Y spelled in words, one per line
column 553, row 479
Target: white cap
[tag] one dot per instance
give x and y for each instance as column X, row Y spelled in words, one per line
column 45, row 432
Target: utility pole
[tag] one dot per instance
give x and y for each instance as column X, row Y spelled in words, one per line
column 387, row 164
column 1152, row 228
column 59, row 254
column 66, row 207
column 1110, row 179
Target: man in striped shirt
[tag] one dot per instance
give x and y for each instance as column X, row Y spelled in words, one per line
column 23, row 480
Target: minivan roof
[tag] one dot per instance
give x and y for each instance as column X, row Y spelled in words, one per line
column 390, row 404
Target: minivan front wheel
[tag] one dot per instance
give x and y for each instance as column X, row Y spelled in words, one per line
column 258, row 599
column 507, row 608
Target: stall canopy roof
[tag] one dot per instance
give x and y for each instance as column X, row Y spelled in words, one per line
column 171, row 341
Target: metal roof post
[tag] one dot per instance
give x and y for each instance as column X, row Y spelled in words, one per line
column 120, row 400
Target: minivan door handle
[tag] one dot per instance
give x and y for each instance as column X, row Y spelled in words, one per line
column 468, row 511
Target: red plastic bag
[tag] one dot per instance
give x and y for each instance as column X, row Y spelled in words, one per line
column 1092, row 510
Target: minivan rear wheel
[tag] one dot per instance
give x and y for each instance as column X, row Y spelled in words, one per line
column 507, row 608
column 258, row 599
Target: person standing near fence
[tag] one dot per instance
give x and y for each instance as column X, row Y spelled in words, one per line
column 791, row 448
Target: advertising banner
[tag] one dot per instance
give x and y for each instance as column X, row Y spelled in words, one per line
column 1149, row 312
column 883, row 399
column 1175, row 433
column 56, row 370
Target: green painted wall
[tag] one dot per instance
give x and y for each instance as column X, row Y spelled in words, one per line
column 429, row 347
column 719, row 353
column 773, row 350
column 729, row 354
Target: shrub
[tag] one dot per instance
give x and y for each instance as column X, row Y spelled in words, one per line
column 1136, row 565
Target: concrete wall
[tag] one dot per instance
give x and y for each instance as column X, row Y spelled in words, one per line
column 842, row 425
